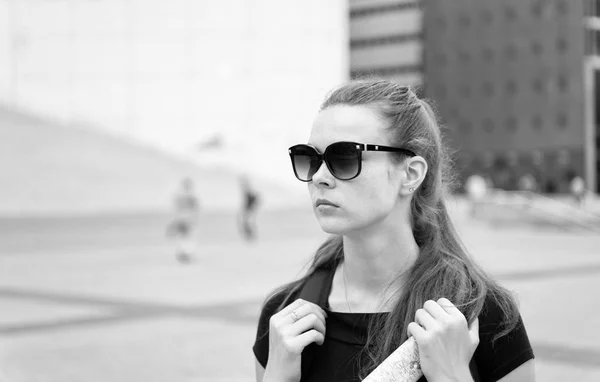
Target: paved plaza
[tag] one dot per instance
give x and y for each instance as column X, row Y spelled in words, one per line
column 103, row 299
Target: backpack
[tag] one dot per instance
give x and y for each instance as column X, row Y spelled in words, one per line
column 316, row 289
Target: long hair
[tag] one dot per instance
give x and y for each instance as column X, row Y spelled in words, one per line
column 443, row 267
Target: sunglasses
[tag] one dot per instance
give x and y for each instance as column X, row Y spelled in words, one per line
column 343, row 159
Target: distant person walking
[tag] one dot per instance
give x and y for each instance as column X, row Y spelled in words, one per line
column 577, row 188
column 183, row 228
column 476, row 187
column 528, row 185
column 247, row 217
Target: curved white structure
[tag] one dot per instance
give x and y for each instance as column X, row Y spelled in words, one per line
column 172, row 74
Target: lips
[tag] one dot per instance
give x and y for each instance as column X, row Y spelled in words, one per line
column 325, row 202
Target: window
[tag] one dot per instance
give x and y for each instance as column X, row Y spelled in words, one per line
column 539, row 8
column 512, row 158
column 538, row 85
column 561, row 7
column 488, row 89
column 510, row 13
column 510, row 51
column 441, row 23
column 563, row 83
column 464, row 20
column 537, row 122
column 441, row 92
column 488, row 54
column 537, row 157
column 464, row 56
column 511, row 124
column 562, row 45
column 563, row 157
column 561, row 121
column 465, row 90
column 442, row 59
column 511, row 87
column 537, row 48
column 488, row 159
column 466, row 126
column 488, row 125
column 487, row 17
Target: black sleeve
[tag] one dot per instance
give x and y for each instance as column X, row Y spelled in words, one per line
column 261, row 343
column 496, row 359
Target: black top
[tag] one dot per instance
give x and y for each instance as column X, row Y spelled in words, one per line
column 338, row 359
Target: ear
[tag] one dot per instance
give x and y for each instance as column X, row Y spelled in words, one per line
column 415, row 171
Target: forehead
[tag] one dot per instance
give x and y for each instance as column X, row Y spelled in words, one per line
column 348, row 123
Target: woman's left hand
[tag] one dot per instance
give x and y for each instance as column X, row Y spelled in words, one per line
column 446, row 344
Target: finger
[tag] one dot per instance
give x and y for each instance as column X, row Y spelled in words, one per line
column 305, row 310
column 426, row 320
column 308, row 308
column 416, row 331
column 309, row 337
column 307, row 323
column 448, row 306
column 435, row 310
column 293, row 306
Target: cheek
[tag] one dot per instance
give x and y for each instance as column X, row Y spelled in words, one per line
column 374, row 197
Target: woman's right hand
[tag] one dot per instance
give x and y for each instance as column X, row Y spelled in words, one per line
column 290, row 331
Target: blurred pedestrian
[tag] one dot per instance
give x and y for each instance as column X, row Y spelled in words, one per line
column 394, row 266
column 577, row 189
column 476, row 187
column 183, row 227
column 247, row 216
column 528, row 185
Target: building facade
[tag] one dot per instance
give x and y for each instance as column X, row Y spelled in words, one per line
column 386, row 40
column 508, row 79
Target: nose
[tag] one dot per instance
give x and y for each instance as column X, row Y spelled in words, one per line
column 323, row 178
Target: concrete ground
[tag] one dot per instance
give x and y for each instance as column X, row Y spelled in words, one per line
column 103, row 299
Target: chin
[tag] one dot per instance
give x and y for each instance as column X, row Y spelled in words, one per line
column 333, row 226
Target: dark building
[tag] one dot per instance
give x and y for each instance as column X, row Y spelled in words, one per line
column 508, row 81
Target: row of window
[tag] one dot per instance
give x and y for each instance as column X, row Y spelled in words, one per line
column 387, row 71
column 539, row 9
column 511, row 124
column 539, row 85
column 512, row 158
column 384, row 8
column 510, row 52
column 385, row 40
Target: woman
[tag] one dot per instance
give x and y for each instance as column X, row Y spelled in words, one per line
column 397, row 267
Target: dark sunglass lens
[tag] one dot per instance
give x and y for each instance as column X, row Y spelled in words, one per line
column 306, row 162
column 343, row 159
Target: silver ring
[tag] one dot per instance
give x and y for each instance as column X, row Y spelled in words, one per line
column 294, row 316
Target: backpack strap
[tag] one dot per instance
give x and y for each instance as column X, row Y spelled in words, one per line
column 316, row 289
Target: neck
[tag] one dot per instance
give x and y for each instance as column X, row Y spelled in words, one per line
column 373, row 260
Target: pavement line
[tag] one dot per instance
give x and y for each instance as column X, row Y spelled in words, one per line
column 580, row 356
column 244, row 312
column 534, row 275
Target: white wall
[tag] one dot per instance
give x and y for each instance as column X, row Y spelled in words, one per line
column 172, row 73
